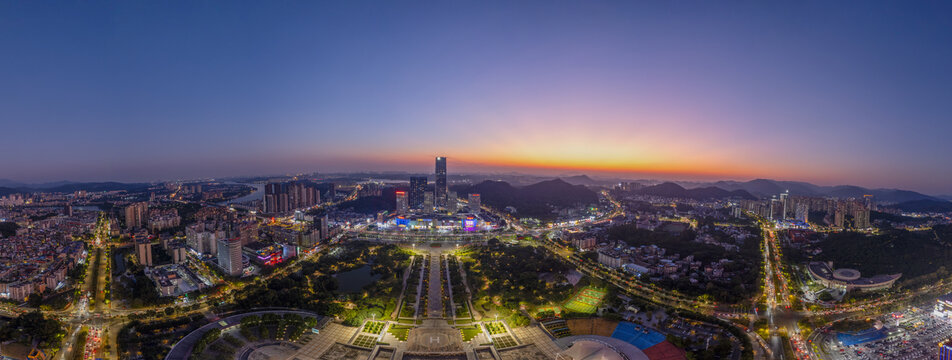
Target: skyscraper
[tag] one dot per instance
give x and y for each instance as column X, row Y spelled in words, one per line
column 440, row 190
column 427, row 202
column 402, row 205
column 474, row 203
column 451, row 202
column 784, row 200
column 417, row 191
column 229, row 256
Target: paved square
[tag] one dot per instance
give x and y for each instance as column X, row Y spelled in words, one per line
column 438, row 340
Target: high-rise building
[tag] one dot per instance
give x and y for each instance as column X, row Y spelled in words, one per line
column 178, row 253
column 474, row 203
column 320, row 225
column 136, row 215
column 803, row 212
column 303, row 195
column 290, row 196
column 229, row 256
column 427, row 202
column 868, row 200
column 839, row 216
column 403, row 206
column 275, row 198
column 451, row 202
column 417, row 191
column 440, row 191
column 248, row 232
column 144, row 251
column 784, row 201
column 774, row 208
column 204, row 238
column 860, row 217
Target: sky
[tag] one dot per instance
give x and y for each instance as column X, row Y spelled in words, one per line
column 828, row 92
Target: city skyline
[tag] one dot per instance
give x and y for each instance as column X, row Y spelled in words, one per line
column 810, row 92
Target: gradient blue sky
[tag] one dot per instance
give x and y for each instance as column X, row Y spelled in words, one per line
column 828, row 92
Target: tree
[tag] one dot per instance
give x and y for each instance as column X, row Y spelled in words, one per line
column 34, row 300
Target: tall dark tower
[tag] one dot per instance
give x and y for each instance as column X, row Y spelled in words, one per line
column 439, row 191
column 417, row 191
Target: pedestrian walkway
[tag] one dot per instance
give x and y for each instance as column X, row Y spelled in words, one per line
column 435, row 298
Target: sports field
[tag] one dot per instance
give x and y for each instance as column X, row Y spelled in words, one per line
column 585, row 301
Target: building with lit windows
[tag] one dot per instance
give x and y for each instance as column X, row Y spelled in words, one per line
column 229, row 256
column 474, row 203
column 943, row 306
column 417, row 192
column 403, row 206
column 848, row 279
column 440, row 191
column 144, row 251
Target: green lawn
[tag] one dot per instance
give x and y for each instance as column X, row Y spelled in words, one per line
column 470, row 332
column 399, row 331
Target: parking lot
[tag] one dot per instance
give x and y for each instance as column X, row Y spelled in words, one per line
column 914, row 337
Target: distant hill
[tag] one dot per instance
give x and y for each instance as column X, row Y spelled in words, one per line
column 925, row 205
column 67, row 187
column 669, row 189
column 19, row 185
column 582, row 180
column 98, row 186
column 534, row 200
column 767, row 187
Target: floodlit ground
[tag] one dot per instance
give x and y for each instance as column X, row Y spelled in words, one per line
column 585, row 301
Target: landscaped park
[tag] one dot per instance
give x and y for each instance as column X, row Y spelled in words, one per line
column 373, row 301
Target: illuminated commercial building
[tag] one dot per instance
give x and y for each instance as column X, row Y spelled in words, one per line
column 467, row 222
column 474, row 203
column 848, row 279
column 268, row 254
column 945, row 350
column 943, row 306
column 402, row 204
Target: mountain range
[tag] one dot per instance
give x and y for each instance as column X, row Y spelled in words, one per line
column 670, row 189
column 67, row 187
column 531, row 200
column 760, row 188
column 767, row 188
